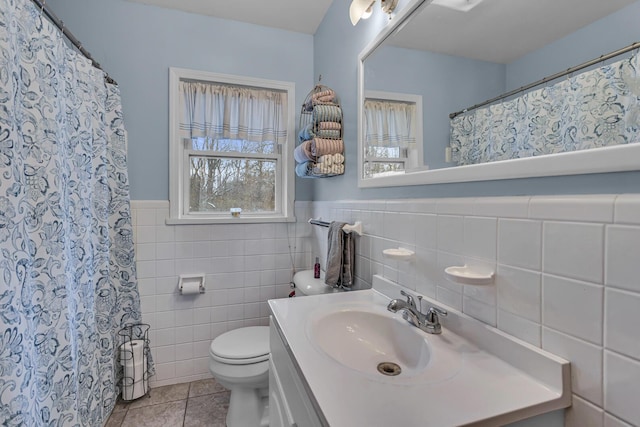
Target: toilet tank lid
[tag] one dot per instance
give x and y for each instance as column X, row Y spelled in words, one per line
column 308, row 285
column 242, row 343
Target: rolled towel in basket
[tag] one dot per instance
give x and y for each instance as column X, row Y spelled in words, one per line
column 329, row 126
column 302, row 153
column 327, row 113
column 306, row 133
column 320, row 146
column 323, row 169
column 328, row 133
column 305, row 170
column 323, row 96
column 331, row 159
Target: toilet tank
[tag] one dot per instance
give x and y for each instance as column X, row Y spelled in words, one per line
column 306, row 284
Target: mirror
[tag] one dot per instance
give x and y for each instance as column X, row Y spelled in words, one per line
column 452, row 60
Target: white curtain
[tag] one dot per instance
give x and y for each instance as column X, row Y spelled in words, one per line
column 67, row 265
column 221, row 111
column 597, row 108
column 389, row 123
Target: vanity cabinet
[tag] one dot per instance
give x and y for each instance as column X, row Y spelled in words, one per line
column 289, row 403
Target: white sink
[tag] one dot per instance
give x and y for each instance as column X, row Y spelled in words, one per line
column 361, row 340
column 379, row 344
column 471, row 374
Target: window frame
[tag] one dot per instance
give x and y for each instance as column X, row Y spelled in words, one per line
column 179, row 155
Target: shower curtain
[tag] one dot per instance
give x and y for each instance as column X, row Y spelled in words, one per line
column 594, row 109
column 67, row 272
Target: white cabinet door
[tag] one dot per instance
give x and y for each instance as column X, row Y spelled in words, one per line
column 279, row 412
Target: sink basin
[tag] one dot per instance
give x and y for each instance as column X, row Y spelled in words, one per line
column 362, row 339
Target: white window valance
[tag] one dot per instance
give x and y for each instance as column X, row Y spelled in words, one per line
column 220, row 111
column 389, row 123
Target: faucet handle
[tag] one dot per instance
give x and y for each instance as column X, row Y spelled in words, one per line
column 410, row 299
column 433, row 312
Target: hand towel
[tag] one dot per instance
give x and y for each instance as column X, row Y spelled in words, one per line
column 340, row 256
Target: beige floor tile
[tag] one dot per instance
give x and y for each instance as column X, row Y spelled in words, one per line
column 207, row 411
column 168, row 414
column 203, row 387
column 116, row 418
column 168, row 393
column 121, row 406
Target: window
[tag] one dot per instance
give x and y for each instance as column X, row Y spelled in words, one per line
column 230, row 148
column 392, row 124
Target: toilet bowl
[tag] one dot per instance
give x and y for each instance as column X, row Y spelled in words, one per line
column 239, row 361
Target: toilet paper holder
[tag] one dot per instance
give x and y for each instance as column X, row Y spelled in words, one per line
column 189, row 284
column 134, row 357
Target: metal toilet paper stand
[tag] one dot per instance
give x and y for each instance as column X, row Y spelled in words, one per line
column 133, row 354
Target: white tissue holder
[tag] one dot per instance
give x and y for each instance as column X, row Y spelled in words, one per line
column 189, row 279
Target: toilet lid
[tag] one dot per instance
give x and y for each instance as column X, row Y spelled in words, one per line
column 244, row 344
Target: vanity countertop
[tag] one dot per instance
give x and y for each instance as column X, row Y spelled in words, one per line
column 490, row 379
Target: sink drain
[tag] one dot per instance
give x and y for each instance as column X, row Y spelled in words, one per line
column 389, row 368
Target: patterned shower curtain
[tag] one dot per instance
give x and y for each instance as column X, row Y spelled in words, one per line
column 597, row 108
column 67, row 273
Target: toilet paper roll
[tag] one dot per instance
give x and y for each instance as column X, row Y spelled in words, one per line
column 131, row 352
column 190, row 287
column 135, row 372
column 134, row 390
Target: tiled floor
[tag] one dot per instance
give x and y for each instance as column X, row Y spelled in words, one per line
column 201, row 403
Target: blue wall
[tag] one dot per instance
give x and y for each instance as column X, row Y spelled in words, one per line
column 601, row 37
column 136, row 44
column 336, row 48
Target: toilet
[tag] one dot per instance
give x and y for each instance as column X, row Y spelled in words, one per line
column 239, row 361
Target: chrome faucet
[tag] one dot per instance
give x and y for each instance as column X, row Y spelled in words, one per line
column 429, row 322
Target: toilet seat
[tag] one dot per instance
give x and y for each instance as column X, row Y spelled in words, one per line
column 241, row 346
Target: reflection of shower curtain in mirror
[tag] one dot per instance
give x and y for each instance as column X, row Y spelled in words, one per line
column 597, row 108
column 67, row 273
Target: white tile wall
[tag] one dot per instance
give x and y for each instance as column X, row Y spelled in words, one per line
column 568, row 278
column 244, row 266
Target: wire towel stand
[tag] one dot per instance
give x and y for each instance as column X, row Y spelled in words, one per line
column 355, row 228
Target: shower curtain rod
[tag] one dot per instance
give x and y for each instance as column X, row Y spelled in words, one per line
column 58, row 23
column 610, row 55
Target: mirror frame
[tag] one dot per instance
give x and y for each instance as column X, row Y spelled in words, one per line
column 596, row 160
